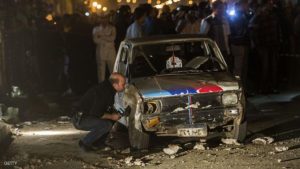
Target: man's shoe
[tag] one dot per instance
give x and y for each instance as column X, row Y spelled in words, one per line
column 85, row 147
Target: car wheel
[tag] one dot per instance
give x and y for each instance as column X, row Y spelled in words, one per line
column 239, row 131
column 138, row 139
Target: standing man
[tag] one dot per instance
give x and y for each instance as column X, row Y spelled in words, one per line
column 216, row 26
column 92, row 112
column 135, row 29
column 104, row 36
column 239, row 38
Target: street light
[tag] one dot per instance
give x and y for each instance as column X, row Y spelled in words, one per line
column 104, row 9
column 95, row 4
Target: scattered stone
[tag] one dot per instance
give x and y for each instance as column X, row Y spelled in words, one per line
column 172, row 156
column 49, row 163
column 263, row 140
column 228, row 149
column 230, row 141
column 128, row 160
column 107, row 149
column 199, row 146
column 126, row 151
column 64, row 118
column 109, row 158
column 27, row 123
column 63, row 122
column 138, row 162
column 281, row 148
column 272, row 153
column 172, row 149
column 47, row 128
column 279, row 160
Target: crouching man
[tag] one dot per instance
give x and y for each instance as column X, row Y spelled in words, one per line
column 92, row 113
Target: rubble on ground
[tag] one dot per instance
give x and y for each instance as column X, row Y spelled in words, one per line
column 230, row 141
column 199, row 146
column 281, row 148
column 172, row 149
column 263, row 140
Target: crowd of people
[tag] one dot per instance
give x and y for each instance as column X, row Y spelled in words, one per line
column 253, row 35
column 245, row 30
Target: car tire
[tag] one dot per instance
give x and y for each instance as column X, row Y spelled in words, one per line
column 240, row 131
column 138, row 139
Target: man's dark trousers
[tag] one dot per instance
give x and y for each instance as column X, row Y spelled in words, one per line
column 97, row 127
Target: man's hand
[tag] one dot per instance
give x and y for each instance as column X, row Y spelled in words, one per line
column 114, row 116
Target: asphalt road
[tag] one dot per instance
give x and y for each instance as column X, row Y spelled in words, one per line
column 53, row 144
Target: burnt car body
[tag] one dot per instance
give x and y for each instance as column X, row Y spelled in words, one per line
column 179, row 85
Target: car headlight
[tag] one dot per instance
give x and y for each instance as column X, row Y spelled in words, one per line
column 229, row 99
column 152, row 107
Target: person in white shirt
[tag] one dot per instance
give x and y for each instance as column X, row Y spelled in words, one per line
column 135, row 29
column 104, row 36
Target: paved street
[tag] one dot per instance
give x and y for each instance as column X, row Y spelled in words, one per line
column 53, row 144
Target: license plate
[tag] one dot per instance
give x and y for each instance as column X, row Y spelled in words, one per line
column 192, row 132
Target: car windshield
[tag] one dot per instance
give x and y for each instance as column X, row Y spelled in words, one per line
column 174, row 58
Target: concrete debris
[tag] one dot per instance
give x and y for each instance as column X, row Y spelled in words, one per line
column 63, row 122
column 126, row 151
column 27, row 123
column 272, row 153
column 16, row 132
column 128, row 160
column 139, row 162
column 172, row 149
column 199, row 146
column 107, row 149
column 228, row 149
column 263, row 140
column 230, row 141
column 281, row 148
column 64, row 118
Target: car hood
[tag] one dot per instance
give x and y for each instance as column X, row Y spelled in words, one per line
column 172, row 85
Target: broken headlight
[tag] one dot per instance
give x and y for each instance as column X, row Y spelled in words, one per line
column 229, row 99
column 152, row 107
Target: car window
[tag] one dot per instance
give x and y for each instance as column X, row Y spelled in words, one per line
column 176, row 57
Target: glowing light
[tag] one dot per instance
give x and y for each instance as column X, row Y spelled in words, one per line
column 104, row 9
column 119, row 1
column 87, row 14
column 85, row 2
column 99, row 6
column 158, row 6
column 49, row 17
column 190, row 2
column 95, row 4
column 128, row 1
column 54, row 23
column 231, row 12
column 51, row 132
column 158, row 2
column 134, row 1
column 169, row 2
column 149, row 1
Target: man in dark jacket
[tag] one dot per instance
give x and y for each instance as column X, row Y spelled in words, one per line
column 92, row 113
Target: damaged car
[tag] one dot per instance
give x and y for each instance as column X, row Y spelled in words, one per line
column 179, row 85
